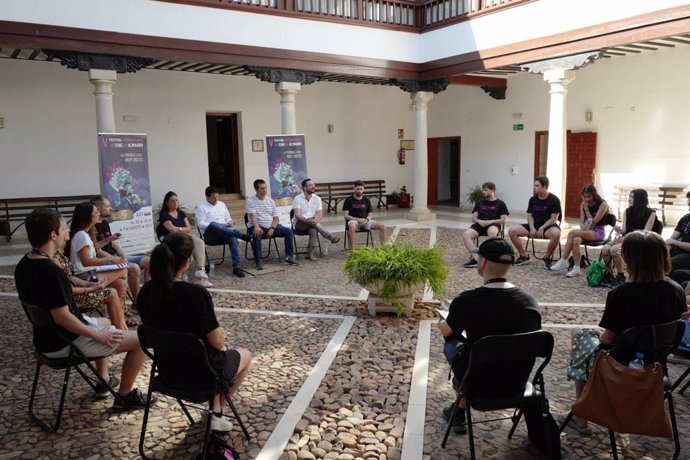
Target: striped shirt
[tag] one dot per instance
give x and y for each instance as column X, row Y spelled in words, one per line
column 265, row 210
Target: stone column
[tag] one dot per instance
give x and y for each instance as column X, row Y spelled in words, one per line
column 288, row 90
column 103, row 82
column 557, row 163
column 419, row 210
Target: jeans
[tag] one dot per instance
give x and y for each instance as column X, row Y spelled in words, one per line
column 217, row 233
column 279, row 232
column 450, row 347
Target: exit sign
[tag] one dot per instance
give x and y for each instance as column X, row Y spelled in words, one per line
column 519, row 127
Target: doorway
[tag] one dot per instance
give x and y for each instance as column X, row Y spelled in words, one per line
column 581, row 164
column 443, row 156
column 223, row 152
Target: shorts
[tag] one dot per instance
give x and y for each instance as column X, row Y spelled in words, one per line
column 366, row 226
column 526, row 226
column 86, row 345
column 585, row 345
column 482, row 231
column 230, row 367
column 599, row 232
column 135, row 259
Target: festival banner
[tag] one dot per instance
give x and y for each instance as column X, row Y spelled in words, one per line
column 124, row 167
column 287, row 168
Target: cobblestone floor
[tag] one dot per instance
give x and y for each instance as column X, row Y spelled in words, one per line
column 360, row 406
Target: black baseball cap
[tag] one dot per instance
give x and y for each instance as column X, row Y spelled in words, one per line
column 493, row 248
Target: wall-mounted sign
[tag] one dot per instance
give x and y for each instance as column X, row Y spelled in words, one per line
column 518, row 127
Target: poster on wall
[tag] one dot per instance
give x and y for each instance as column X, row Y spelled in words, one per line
column 287, row 168
column 124, row 167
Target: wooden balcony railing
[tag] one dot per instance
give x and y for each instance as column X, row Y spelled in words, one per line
column 413, row 15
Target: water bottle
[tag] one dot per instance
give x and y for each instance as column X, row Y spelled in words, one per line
column 637, row 363
column 326, row 244
column 185, row 277
column 211, row 268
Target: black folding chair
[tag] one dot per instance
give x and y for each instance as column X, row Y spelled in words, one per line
column 42, row 320
column 207, row 244
column 370, row 238
column 609, row 220
column 534, row 250
column 296, row 233
column 501, row 234
column 247, row 244
column 656, row 341
column 509, row 354
column 181, row 370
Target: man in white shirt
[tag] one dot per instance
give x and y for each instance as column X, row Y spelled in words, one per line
column 214, row 221
column 308, row 213
column 264, row 222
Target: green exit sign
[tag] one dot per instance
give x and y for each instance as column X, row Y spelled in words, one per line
column 519, row 127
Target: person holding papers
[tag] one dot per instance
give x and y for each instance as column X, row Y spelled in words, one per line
column 91, row 264
column 497, row 307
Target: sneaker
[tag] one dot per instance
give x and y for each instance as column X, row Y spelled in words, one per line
column 135, row 399
column 471, row 264
column 459, row 421
column 547, row 262
column 204, row 282
column 575, row 271
column 245, row 237
column 312, row 256
column 617, row 281
column 560, row 265
column 335, row 239
column 220, row 423
column 201, row 274
column 291, row 261
column 521, row 260
column 259, row 265
column 238, row 272
column 102, row 391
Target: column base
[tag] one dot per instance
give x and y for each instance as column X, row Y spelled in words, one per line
column 421, row 216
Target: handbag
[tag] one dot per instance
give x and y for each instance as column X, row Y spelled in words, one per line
column 596, row 273
column 624, row 400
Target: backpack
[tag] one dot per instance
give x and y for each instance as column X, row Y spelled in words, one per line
column 596, row 273
column 536, row 433
column 218, row 449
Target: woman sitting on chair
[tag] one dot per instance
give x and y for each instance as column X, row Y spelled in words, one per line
column 592, row 211
column 166, row 302
column 174, row 220
column 83, row 254
column 649, row 297
column 638, row 216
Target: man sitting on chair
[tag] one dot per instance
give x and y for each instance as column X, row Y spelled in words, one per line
column 264, row 223
column 215, row 224
column 498, row 307
column 489, row 215
column 358, row 216
column 543, row 211
column 308, row 211
column 41, row 283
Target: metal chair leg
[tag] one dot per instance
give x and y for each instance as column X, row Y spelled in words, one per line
column 565, row 422
column 674, row 425
column 450, row 422
column 470, row 431
column 237, row 417
column 145, row 420
column 614, row 449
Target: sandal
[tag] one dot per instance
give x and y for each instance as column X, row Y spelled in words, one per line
column 580, row 426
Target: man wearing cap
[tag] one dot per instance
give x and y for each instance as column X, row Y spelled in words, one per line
column 358, row 215
column 497, row 307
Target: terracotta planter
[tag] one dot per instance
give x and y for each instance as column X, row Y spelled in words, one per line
column 404, row 201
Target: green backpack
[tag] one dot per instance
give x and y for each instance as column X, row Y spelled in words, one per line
column 596, row 273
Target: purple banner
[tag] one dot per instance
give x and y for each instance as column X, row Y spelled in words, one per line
column 287, row 166
column 125, row 182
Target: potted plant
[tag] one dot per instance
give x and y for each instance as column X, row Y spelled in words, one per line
column 474, row 195
column 393, row 272
column 403, row 198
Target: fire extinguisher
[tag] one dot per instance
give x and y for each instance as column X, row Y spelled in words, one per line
column 401, row 156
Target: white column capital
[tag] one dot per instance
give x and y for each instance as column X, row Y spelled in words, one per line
column 102, row 75
column 103, row 82
column 288, row 90
column 288, row 87
column 559, row 76
column 421, row 99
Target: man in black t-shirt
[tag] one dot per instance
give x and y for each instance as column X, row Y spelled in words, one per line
column 543, row 219
column 498, row 307
column 40, row 282
column 108, row 242
column 358, row 216
column 489, row 215
column 679, row 243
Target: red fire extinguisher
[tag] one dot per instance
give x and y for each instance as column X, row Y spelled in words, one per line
column 401, row 156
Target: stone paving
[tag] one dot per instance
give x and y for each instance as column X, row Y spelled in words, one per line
column 357, row 409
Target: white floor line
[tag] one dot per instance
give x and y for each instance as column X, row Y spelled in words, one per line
column 283, row 294
column 566, row 304
column 413, row 438
column 275, row 445
column 7, row 277
column 283, row 313
column 569, row 326
column 9, row 294
column 428, row 293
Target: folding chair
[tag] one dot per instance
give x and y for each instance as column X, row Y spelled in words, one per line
column 296, row 233
column 271, row 240
column 370, row 239
column 43, row 320
column 181, row 370
column 502, row 354
column 656, row 341
column 534, row 251
column 608, row 220
column 207, row 244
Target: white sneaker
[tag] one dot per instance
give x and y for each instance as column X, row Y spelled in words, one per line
column 575, row 271
column 560, row 265
column 220, row 423
column 201, row 274
column 204, row 283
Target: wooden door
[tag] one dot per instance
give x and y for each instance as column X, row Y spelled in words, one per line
column 582, row 161
column 432, row 165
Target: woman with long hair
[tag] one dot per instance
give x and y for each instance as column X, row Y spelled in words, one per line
column 172, row 219
column 592, row 211
column 638, row 216
column 166, row 302
column 84, row 256
column 649, row 297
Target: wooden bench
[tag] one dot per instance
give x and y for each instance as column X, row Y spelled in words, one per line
column 334, row 192
column 15, row 210
column 664, row 198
